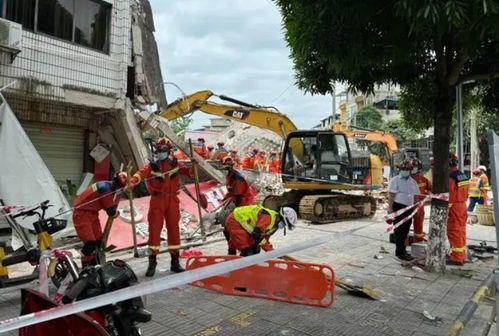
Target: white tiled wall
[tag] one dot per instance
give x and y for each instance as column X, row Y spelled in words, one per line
column 53, row 63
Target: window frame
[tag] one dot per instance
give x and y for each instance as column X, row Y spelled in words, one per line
column 3, row 14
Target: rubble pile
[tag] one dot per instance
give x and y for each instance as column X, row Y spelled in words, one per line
column 267, row 184
column 242, row 137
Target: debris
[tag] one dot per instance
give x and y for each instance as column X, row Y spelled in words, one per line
column 465, row 273
column 383, row 250
column 417, row 269
column 376, row 256
column 181, row 312
column 430, row 317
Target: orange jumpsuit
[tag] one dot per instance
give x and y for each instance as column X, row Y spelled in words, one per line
column 275, row 166
column 180, row 156
column 456, row 222
column 238, row 189
column 99, row 196
column 236, row 160
column 201, row 150
column 424, row 188
column 239, row 239
column 249, row 162
column 164, row 203
column 260, row 162
column 486, row 188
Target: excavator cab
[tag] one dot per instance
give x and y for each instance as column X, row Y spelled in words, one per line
column 312, row 157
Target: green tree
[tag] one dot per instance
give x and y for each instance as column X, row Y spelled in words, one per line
column 369, row 117
column 399, row 130
column 180, row 125
column 432, row 45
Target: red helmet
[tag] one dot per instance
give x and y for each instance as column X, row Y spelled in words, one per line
column 163, row 145
column 416, row 163
column 255, row 150
column 273, row 153
column 453, row 161
column 201, row 139
column 262, row 152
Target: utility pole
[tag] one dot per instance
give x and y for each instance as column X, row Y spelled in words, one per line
column 474, row 150
column 333, row 95
column 459, row 144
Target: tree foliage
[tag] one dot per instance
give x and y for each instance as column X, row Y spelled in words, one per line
column 426, row 46
column 369, row 117
column 180, row 125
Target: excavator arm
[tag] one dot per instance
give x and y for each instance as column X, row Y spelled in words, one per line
column 369, row 135
column 254, row 115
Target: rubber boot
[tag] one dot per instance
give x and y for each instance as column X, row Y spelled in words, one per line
column 152, row 266
column 231, row 252
column 175, row 263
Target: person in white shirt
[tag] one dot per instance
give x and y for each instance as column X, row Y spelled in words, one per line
column 403, row 191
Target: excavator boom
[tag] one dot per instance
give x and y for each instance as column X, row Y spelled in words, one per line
column 254, row 115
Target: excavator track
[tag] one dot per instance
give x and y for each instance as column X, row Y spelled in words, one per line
column 321, row 209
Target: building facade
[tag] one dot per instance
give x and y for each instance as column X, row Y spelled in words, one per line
column 73, row 81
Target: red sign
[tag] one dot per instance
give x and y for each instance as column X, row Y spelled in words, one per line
column 45, row 130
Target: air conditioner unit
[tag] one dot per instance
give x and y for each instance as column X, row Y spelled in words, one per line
column 10, row 35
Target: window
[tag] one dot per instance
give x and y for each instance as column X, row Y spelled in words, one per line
column 84, row 22
column 21, row 11
column 55, row 17
column 92, row 24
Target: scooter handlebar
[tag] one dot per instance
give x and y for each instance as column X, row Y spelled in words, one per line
column 15, row 259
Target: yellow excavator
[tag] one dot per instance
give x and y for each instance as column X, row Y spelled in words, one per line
column 317, row 165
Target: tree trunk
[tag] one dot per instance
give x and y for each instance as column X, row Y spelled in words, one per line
column 435, row 258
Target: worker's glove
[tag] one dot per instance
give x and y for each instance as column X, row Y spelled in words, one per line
column 257, row 235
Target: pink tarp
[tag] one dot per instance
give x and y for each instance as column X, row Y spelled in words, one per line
column 121, row 231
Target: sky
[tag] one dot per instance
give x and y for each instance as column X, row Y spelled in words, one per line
column 235, row 48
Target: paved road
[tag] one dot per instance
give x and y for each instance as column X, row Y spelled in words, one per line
column 405, row 293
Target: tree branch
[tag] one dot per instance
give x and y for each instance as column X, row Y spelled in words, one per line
column 478, row 77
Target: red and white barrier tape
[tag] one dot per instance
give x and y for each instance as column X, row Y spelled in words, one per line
column 418, row 205
column 158, row 285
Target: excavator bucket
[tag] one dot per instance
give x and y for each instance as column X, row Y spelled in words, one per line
column 289, row 281
column 73, row 325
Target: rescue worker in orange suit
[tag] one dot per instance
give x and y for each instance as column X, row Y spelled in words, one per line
column 456, row 222
column 239, row 191
column 260, row 161
column 233, row 155
column 475, row 192
column 201, row 148
column 249, row 160
column 248, row 229
column 220, row 152
column 424, row 189
column 486, row 185
column 163, row 183
column 274, row 163
column 98, row 196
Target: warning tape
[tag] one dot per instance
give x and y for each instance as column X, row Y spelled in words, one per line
column 117, row 192
column 157, row 285
column 416, row 206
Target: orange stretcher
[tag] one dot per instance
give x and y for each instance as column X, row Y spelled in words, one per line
column 289, row 281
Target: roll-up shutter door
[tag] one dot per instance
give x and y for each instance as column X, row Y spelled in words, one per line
column 61, row 148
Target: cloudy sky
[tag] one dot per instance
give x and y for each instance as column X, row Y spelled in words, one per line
column 235, row 48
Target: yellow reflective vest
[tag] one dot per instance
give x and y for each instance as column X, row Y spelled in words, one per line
column 247, row 216
column 475, row 187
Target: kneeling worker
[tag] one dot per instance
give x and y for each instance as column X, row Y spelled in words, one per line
column 248, row 228
column 99, row 196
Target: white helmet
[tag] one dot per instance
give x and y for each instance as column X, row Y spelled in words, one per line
column 482, row 168
column 289, row 218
